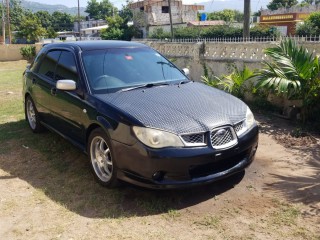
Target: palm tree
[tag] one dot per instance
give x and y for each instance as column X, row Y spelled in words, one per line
column 293, row 72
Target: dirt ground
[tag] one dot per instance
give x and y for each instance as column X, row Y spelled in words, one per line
column 48, row 192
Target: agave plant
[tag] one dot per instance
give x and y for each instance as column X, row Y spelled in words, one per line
column 293, row 72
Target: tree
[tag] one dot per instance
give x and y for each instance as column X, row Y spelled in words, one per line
column 227, row 15
column 275, row 4
column 311, row 25
column 17, row 13
column 45, row 18
column 126, row 12
column 31, row 29
column 118, row 29
column 310, row 2
column 293, row 72
column 115, row 30
column 100, row 10
column 62, row 21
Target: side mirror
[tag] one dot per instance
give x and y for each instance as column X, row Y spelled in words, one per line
column 186, row 71
column 66, row 85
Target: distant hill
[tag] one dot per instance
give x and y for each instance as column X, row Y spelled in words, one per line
column 216, row 5
column 34, row 7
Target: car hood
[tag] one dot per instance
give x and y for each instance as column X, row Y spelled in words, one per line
column 181, row 109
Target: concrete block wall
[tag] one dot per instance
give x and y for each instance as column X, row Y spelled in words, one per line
column 11, row 52
column 218, row 57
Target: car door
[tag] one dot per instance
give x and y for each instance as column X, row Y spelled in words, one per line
column 42, row 82
column 69, row 107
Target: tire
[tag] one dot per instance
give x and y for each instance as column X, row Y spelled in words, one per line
column 32, row 115
column 102, row 159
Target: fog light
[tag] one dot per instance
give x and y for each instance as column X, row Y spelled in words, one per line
column 158, row 176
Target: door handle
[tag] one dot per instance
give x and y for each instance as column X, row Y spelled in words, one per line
column 53, row 91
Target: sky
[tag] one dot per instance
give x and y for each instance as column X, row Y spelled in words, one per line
column 119, row 3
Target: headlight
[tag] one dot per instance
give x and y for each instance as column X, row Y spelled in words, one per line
column 249, row 118
column 157, row 138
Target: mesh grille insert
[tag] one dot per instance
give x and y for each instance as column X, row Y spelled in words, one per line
column 193, row 138
column 239, row 126
column 221, row 137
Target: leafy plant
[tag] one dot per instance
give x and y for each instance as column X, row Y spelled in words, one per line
column 292, row 72
column 208, row 77
column 28, row 52
column 235, row 82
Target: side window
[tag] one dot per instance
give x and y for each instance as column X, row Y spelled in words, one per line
column 66, row 68
column 49, row 63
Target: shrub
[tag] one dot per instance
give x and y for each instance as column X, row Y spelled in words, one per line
column 213, row 32
column 28, row 52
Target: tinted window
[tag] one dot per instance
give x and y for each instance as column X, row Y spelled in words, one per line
column 49, row 63
column 36, row 63
column 66, row 68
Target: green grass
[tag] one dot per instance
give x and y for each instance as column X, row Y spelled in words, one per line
column 11, row 107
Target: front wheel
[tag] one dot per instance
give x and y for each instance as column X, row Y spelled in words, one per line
column 32, row 116
column 102, row 160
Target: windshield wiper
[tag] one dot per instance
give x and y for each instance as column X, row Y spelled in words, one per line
column 148, row 85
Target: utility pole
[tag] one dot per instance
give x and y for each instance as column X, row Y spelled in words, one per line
column 79, row 20
column 8, row 20
column 3, row 24
column 246, row 22
column 170, row 17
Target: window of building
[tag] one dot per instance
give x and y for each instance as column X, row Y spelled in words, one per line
column 165, row 9
column 142, row 9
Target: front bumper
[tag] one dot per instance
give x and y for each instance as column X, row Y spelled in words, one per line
column 182, row 167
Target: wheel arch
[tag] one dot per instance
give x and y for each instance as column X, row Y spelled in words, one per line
column 101, row 123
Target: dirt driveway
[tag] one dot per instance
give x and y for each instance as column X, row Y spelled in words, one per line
column 48, row 192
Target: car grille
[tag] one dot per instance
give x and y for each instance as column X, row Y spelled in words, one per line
column 193, row 138
column 239, row 126
column 223, row 137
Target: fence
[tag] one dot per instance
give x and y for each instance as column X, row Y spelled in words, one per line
column 314, row 38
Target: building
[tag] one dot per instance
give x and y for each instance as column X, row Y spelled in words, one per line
column 88, row 24
column 92, row 31
column 286, row 19
column 151, row 14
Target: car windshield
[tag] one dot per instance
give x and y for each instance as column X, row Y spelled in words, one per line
column 121, row 68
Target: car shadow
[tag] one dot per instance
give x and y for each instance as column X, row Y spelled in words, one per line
column 61, row 172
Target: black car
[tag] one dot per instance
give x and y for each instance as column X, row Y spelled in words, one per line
column 138, row 117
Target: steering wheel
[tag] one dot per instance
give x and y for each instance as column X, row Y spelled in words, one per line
column 106, row 81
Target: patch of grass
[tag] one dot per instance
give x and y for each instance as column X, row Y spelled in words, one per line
column 173, row 214
column 210, row 222
column 285, row 214
column 153, row 204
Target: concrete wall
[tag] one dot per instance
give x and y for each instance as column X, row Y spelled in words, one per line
column 11, row 52
column 218, row 57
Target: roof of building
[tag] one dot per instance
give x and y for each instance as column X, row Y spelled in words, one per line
column 95, row 28
column 207, row 23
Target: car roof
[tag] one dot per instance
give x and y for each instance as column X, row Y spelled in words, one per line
column 98, row 44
